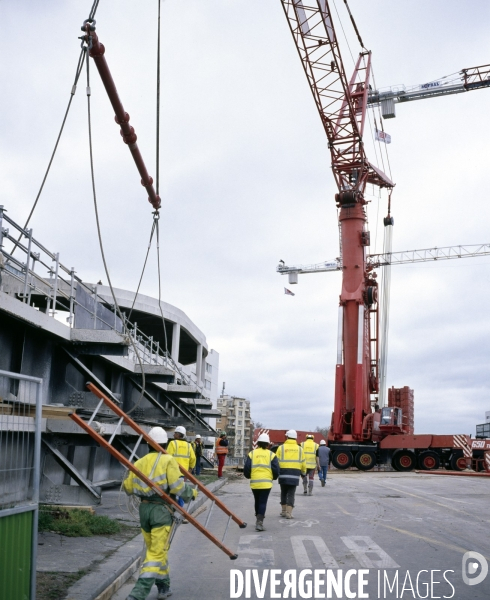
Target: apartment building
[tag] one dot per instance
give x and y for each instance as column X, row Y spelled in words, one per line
column 235, row 420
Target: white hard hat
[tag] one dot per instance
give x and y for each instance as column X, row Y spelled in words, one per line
column 181, row 430
column 292, row 434
column 322, row 442
column 264, row 437
column 159, row 435
column 198, row 436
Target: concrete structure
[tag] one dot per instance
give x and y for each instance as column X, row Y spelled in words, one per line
column 235, row 420
column 67, row 332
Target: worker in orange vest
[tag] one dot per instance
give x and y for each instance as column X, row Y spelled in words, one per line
column 220, row 452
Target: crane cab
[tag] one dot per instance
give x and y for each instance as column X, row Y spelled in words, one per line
column 391, row 420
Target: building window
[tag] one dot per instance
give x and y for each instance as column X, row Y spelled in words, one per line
column 240, row 403
column 207, row 384
column 239, row 422
column 240, row 413
column 209, row 368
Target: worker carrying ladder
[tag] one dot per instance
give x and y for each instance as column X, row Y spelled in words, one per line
column 179, row 513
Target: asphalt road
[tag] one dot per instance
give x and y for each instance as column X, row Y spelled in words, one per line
column 402, row 535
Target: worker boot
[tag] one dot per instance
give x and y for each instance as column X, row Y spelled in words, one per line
column 164, row 591
column 289, row 512
column 259, row 524
column 283, row 510
column 310, row 489
column 323, row 482
column 305, row 487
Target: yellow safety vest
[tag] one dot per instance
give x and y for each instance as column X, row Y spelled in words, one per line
column 310, row 447
column 183, row 453
column 261, row 474
column 162, row 469
column 292, row 462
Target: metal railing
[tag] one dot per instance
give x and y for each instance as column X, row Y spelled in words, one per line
column 20, row 455
column 57, row 288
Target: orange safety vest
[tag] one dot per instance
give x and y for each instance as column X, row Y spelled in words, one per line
column 220, row 449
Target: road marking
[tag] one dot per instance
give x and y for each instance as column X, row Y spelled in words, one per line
column 426, row 539
column 301, row 554
column 361, row 545
column 255, row 558
column 342, row 509
column 307, row 523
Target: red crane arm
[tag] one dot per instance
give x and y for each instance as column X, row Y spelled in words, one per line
column 340, row 103
column 97, row 52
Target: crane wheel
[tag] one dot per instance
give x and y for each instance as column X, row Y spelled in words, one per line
column 342, row 459
column 365, row 460
column 429, row 461
column 457, row 463
column 403, row 460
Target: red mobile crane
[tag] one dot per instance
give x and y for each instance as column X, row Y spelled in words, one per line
column 357, row 434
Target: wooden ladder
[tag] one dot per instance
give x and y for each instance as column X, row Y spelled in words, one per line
column 179, row 512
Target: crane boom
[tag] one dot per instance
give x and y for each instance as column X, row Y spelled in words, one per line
column 475, row 78
column 392, row 258
column 340, row 102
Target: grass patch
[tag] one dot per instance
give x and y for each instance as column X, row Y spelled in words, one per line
column 53, row 586
column 76, row 523
column 207, row 479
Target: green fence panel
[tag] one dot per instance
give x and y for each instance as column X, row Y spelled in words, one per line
column 15, row 556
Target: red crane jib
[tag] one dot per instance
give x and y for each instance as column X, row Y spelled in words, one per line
column 128, row 134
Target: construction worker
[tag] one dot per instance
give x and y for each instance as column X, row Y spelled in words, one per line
column 198, row 448
column 155, row 514
column 309, row 448
column 181, row 450
column 262, row 468
column 220, row 452
column 292, row 465
column 322, row 460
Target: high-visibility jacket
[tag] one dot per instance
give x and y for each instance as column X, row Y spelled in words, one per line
column 220, row 449
column 183, row 453
column 309, row 448
column 156, row 521
column 292, row 462
column 163, row 470
column 262, row 469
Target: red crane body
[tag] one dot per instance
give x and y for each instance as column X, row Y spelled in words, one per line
column 358, row 434
column 342, row 106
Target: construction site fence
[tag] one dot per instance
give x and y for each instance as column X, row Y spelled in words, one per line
column 20, row 456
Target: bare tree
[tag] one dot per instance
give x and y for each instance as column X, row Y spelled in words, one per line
column 323, row 430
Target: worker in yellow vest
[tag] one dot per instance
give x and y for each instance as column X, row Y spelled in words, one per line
column 155, row 514
column 262, row 468
column 292, row 465
column 181, row 450
column 309, row 448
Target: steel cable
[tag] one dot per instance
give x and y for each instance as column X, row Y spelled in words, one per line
column 72, row 94
column 143, row 271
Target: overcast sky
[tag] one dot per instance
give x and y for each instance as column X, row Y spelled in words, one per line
column 246, row 181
